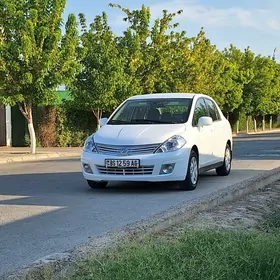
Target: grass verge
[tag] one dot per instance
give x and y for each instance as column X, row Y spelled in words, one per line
column 195, row 255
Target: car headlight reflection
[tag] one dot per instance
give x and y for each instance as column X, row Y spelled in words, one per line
column 90, row 146
column 172, row 144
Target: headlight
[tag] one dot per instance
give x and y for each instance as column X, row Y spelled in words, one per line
column 90, row 146
column 172, row 144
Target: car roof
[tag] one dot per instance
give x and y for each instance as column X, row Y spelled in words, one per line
column 166, row 95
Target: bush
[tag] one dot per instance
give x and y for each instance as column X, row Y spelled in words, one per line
column 47, row 127
column 73, row 125
column 63, row 126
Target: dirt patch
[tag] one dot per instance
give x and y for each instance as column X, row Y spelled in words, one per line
column 259, row 210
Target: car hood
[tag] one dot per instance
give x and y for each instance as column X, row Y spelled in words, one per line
column 137, row 134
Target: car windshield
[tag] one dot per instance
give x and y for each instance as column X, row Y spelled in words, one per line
column 153, row 111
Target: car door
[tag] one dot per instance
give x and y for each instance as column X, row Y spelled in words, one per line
column 203, row 135
column 218, row 140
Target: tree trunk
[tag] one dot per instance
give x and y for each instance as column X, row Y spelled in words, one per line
column 26, row 110
column 263, row 123
column 237, row 127
column 32, row 137
column 270, row 123
column 98, row 115
column 247, row 124
column 255, row 125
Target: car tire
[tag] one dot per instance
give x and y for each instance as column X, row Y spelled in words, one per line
column 191, row 180
column 225, row 169
column 97, row 185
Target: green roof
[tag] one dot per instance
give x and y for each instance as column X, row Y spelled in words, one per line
column 63, row 95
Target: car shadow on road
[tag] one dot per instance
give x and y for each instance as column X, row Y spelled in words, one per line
column 33, row 189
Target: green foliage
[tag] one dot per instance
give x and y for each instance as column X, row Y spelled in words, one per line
column 266, row 99
column 101, row 83
column 149, row 49
column 102, row 69
column 160, row 59
column 237, row 75
column 73, row 125
column 35, row 56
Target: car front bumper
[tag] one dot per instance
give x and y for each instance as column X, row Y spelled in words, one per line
column 150, row 167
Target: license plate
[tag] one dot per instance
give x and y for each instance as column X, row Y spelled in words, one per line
column 122, row 163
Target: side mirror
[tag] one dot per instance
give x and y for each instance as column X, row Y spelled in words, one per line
column 103, row 121
column 205, row 121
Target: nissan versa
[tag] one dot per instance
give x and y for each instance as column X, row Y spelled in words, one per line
column 170, row 137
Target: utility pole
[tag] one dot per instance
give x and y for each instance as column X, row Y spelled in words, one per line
column 8, row 126
column 274, row 52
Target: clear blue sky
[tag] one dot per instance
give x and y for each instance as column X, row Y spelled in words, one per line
column 241, row 22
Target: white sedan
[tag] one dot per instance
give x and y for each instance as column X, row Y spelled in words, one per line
column 170, row 137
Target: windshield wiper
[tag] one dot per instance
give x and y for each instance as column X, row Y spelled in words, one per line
column 118, row 122
column 138, row 121
column 141, row 121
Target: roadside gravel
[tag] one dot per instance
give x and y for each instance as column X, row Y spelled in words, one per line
column 259, row 210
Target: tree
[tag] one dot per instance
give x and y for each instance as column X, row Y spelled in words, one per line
column 264, row 85
column 36, row 56
column 198, row 66
column 101, row 83
column 149, row 50
column 247, row 66
column 275, row 93
column 165, row 50
column 2, row 62
column 239, row 72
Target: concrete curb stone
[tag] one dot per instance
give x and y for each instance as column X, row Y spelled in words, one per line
column 243, row 133
column 40, row 156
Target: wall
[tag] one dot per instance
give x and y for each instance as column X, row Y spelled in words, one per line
column 2, row 125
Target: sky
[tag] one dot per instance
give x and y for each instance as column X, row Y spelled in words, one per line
column 253, row 23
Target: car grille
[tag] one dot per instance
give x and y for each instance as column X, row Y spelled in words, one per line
column 117, row 150
column 143, row 170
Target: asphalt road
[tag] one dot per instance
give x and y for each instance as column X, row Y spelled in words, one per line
column 46, row 207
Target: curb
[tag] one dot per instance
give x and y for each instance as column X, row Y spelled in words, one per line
column 242, row 133
column 61, row 264
column 36, row 157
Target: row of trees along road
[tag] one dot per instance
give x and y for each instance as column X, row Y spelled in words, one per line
column 102, row 69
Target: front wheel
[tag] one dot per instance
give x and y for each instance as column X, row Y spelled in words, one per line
column 190, row 183
column 225, row 169
column 97, row 185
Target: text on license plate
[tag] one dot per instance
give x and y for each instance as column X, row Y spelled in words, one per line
column 122, row 163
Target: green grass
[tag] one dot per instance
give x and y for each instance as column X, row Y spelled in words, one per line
column 197, row 255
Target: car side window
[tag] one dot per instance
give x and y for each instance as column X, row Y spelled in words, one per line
column 213, row 110
column 200, row 110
